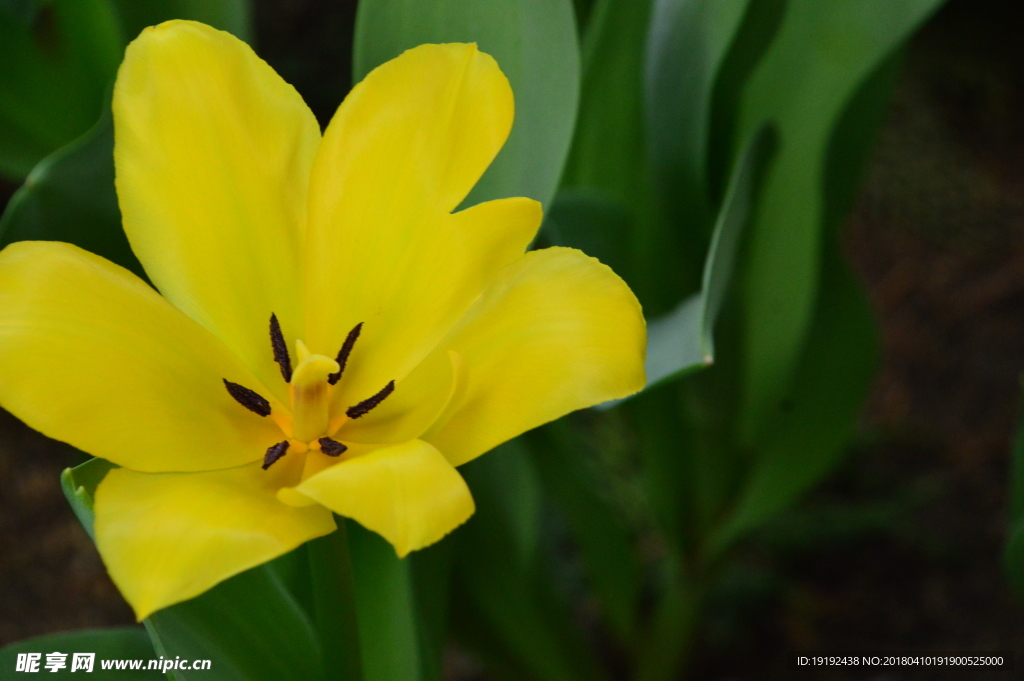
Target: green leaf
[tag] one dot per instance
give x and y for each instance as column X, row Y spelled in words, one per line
column 687, row 44
column 675, row 342
column 849, row 146
column 233, row 16
column 55, row 71
column 589, row 219
column 829, row 386
column 508, row 479
column 719, row 462
column 79, row 486
column 608, row 161
column 386, row 609
column 824, row 51
column 517, row 625
column 665, row 648
column 683, row 340
column 607, row 150
column 116, row 643
column 853, row 139
column 431, row 579
column 751, row 41
column 21, row 11
column 505, row 608
column 249, row 626
column 567, row 469
column 535, row 44
column 69, row 196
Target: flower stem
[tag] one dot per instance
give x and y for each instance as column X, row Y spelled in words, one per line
column 386, row 607
column 330, row 567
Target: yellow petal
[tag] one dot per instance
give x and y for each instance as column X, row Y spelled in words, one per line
column 408, row 493
column 413, row 407
column 558, row 331
column 402, row 151
column 91, row 355
column 213, row 153
column 167, row 537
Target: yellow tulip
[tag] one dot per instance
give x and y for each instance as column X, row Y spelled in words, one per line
column 328, row 336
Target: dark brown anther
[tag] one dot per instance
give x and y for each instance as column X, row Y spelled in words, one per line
column 331, row 447
column 369, row 403
column 280, row 349
column 274, row 452
column 346, row 350
column 249, row 399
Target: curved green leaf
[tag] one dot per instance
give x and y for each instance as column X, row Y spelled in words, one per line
column 607, row 148
column 608, row 162
column 829, row 387
column 687, row 43
column 683, row 340
column 116, row 643
column 431, row 579
column 730, row 473
column 69, row 196
column 535, row 44
column 504, row 607
column 824, row 51
column 79, row 485
column 57, row 63
column 564, row 463
column 249, row 626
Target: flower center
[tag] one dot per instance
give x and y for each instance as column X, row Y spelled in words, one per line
column 311, row 385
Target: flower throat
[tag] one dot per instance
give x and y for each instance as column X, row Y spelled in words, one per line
column 310, row 388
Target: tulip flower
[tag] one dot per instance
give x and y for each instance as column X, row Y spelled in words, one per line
column 329, row 333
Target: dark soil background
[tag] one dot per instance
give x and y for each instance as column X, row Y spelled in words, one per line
column 901, row 549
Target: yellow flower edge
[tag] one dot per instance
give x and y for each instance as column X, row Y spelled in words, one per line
column 329, row 335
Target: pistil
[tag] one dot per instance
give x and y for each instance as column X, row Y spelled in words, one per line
column 310, row 396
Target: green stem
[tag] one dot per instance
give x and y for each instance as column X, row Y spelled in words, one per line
column 386, row 609
column 334, row 601
column 669, row 639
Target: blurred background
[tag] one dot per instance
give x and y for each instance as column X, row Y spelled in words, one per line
column 901, row 547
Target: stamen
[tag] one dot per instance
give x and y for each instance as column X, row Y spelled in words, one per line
column 331, row 447
column 249, row 399
column 346, row 350
column 280, row 349
column 369, row 403
column 274, row 452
